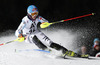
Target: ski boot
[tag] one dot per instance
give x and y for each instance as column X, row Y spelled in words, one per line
column 73, row 54
column 85, row 56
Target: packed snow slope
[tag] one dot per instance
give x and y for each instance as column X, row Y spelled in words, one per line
column 8, row 56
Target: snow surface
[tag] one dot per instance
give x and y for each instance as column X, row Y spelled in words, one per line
column 8, row 56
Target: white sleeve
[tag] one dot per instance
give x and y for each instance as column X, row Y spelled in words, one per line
column 20, row 28
column 41, row 19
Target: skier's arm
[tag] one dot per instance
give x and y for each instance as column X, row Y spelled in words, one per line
column 44, row 22
column 18, row 32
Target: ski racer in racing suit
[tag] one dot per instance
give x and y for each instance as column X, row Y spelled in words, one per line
column 28, row 32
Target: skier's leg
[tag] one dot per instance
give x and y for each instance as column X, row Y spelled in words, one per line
column 64, row 50
column 39, row 43
column 33, row 39
column 58, row 47
column 43, row 38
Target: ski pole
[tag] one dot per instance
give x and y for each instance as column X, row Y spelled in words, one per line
column 9, row 42
column 72, row 18
column 32, row 50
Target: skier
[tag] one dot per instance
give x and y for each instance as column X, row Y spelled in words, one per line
column 29, row 32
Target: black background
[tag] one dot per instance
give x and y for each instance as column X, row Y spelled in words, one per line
column 12, row 11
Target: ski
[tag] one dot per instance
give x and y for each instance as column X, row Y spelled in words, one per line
column 78, row 58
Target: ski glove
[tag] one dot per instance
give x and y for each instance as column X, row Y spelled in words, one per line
column 45, row 24
column 20, row 38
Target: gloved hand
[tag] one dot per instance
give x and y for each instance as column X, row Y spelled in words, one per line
column 20, row 38
column 45, row 24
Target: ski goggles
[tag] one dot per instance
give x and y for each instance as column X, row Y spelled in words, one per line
column 35, row 13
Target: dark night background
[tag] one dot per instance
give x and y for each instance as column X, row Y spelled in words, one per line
column 12, row 11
